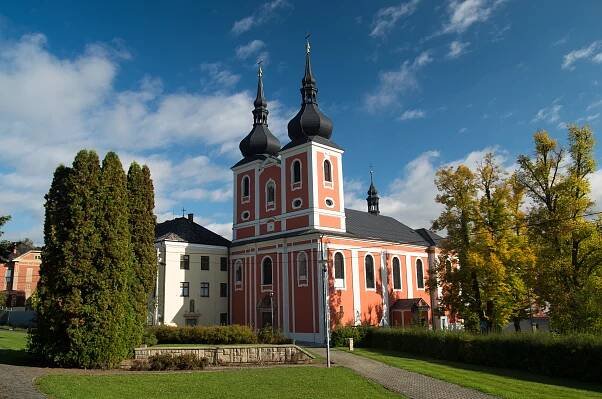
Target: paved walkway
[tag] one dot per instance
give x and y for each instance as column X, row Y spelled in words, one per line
column 17, row 382
column 407, row 383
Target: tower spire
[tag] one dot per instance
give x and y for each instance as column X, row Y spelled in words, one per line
column 372, row 198
column 260, row 113
column 309, row 90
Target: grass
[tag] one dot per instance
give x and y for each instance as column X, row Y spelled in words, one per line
column 12, row 347
column 283, row 382
column 508, row 384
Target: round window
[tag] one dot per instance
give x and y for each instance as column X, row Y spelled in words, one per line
column 297, row 203
column 329, row 202
column 245, row 215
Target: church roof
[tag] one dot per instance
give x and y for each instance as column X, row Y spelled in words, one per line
column 430, row 236
column 185, row 230
column 366, row 225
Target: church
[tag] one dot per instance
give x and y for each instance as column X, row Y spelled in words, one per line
column 296, row 247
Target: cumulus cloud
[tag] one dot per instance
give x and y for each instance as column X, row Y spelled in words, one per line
column 50, row 107
column 386, row 18
column 393, row 84
column 592, row 52
column 457, row 48
column 465, row 13
column 412, row 114
column 217, row 76
column 263, row 14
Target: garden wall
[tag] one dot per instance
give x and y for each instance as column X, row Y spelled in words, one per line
column 235, row 355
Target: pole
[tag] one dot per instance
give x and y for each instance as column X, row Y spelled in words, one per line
column 272, row 309
column 324, row 264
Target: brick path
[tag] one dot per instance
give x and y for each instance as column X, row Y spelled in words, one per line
column 412, row 385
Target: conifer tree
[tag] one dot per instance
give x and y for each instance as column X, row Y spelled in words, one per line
column 142, row 232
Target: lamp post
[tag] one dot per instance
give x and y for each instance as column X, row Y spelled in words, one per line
column 272, row 310
column 324, row 263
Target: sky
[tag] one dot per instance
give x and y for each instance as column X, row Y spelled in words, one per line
column 410, row 86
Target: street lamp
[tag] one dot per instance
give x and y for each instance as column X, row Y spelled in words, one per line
column 324, row 264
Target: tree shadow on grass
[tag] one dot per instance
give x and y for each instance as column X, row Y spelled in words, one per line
column 17, row 357
column 515, row 374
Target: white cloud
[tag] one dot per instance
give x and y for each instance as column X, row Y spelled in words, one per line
column 51, row 107
column 592, row 52
column 549, row 114
column 393, row 84
column 457, row 48
column 593, row 105
column 465, row 13
column 412, row 114
column 386, row 18
column 263, row 14
column 218, row 76
column 247, row 50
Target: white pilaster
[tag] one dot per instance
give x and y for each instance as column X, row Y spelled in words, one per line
column 355, row 281
column 409, row 280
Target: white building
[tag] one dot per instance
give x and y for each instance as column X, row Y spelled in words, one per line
column 192, row 278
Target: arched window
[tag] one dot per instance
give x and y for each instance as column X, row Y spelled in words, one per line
column 296, row 172
column 266, row 271
column 369, row 268
column 270, row 195
column 245, row 187
column 396, row 274
column 339, row 270
column 191, row 306
column 327, row 171
column 238, row 272
column 302, row 268
column 419, row 274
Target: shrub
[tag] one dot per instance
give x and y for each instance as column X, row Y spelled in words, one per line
column 575, row 356
column 212, row 335
column 269, row 336
column 340, row 335
column 149, row 338
column 166, row 361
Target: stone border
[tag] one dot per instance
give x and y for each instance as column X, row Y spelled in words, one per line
column 234, row 355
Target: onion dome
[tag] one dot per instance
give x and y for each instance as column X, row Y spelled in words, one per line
column 309, row 121
column 372, row 198
column 260, row 141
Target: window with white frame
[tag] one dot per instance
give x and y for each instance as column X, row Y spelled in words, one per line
column 327, row 173
column 245, row 188
column 419, row 274
column 369, row 271
column 396, row 274
column 205, row 289
column 266, row 271
column 302, row 268
column 270, row 195
column 339, row 270
column 238, row 272
column 296, row 174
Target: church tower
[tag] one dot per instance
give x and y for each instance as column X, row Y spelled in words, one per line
column 312, row 168
column 372, row 198
column 257, row 176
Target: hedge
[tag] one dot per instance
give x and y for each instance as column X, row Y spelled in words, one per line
column 575, row 356
column 212, row 335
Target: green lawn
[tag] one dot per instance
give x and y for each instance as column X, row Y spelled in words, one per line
column 282, row 382
column 503, row 383
column 12, row 347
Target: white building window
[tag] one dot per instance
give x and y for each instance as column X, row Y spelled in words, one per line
column 396, row 274
column 419, row 274
column 369, row 271
column 302, row 269
column 296, row 175
column 339, row 270
column 245, row 189
column 270, row 195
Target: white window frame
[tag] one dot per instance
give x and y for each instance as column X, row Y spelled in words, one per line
column 245, row 199
column 326, row 183
column 393, row 274
column 266, row 287
column 270, row 205
column 300, row 203
column 416, row 274
column 238, row 283
column 366, row 274
column 339, row 283
column 296, row 185
column 302, row 282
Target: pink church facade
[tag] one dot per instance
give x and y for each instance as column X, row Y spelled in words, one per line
column 290, row 222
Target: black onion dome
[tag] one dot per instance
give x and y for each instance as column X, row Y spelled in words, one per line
column 309, row 121
column 260, row 141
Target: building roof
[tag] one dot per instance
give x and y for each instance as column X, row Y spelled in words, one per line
column 430, row 236
column 409, row 304
column 185, row 230
column 366, row 225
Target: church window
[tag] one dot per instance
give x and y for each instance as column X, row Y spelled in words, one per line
column 296, row 174
column 419, row 274
column 245, row 188
column 238, row 272
column 191, row 306
column 297, row 202
column 327, row 171
column 266, row 271
column 369, row 268
column 339, row 270
column 329, row 202
column 396, row 274
column 302, row 268
column 270, row 195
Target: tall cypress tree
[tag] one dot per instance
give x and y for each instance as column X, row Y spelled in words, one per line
column 114, row 263
column 142, row 231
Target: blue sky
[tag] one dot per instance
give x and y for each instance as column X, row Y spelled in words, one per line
column 410, row 86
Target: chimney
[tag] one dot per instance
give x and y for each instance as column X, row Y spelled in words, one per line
column 191, row 217
column 15, row 246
